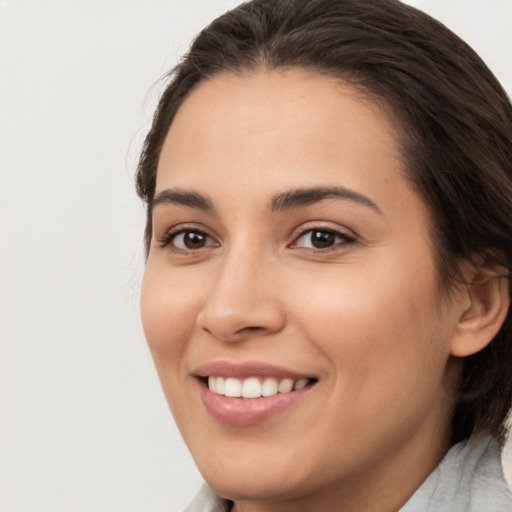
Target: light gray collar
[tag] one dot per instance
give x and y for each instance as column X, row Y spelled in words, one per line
column 469, row 479
column 207, row 501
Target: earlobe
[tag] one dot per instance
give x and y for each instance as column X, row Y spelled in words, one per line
column 487, row 303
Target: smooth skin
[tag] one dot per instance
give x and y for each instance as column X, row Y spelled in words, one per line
column 342, row 286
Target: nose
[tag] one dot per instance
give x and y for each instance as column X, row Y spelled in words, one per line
column 242, row 302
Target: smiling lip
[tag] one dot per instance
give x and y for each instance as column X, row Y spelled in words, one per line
column 247, row 411
column 245, row 370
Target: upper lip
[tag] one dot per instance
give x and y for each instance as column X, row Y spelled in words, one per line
column 247, row 369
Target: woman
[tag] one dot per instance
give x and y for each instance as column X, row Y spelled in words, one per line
column 326, row 292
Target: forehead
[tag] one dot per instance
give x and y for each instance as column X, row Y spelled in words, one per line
column 268, row 130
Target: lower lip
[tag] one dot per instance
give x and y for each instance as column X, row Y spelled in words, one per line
column 242, row 412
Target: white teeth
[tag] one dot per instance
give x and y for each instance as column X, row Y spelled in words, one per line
column 232, row 387
column 285, row 386
column 219, row 385
column 253, row 387
column 269, row 387
column 302, row 383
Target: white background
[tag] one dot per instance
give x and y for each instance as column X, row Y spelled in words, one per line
column 84, row 425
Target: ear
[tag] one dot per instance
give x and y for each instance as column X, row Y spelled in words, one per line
column 486, row 304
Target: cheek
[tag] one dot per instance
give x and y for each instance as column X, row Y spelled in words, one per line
column 168, row 311
column 381, row 321
column 386, row 345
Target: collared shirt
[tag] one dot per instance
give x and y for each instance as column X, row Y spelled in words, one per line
column 468, row 479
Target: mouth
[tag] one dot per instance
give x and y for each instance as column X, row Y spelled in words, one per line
column 250, row 393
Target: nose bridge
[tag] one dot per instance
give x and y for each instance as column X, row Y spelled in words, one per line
column 242, row 301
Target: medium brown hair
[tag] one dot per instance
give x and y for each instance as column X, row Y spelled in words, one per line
column 455, row 124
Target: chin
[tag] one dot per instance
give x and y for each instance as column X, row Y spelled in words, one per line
column 253, row 485
column 254, row 477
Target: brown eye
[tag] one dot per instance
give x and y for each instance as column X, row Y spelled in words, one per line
column 189, row 240
column 322, row 239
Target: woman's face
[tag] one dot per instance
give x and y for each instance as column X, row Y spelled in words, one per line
column 289, row 250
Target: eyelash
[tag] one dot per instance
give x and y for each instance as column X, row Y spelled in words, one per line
column 171, row 236
column 344, row 239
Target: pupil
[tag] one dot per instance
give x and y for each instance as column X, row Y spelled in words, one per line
column 322, row 239
column 194, row 240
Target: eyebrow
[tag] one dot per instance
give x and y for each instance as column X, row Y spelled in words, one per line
column 306, row 196
column 288, row 200
column 184, row 198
